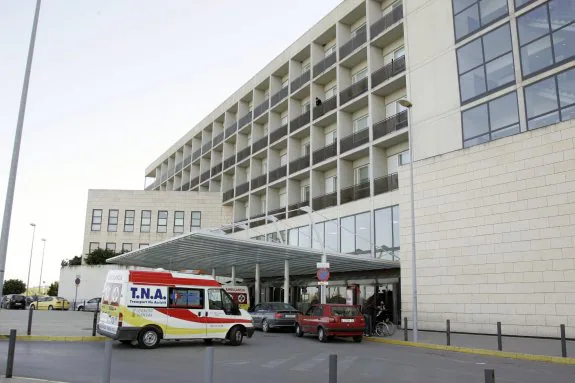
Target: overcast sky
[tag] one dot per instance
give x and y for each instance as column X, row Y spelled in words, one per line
column 114, row 83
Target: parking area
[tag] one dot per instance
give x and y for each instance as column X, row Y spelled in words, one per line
column 47, row 323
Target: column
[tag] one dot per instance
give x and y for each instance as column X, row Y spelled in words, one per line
column 233, row 275
column 286, row 282
column 257, row 287
column 213, row 273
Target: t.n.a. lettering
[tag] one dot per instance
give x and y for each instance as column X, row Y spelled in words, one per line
column 146, row 293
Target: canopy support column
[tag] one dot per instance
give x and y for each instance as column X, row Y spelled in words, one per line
column 233, row 275
column 286, row 281
column 257, row 287
column 214, row 272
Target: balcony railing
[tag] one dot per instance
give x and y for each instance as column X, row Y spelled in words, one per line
column 299, row 121
column 259, row 181
column 216, row 169
column 242, row 188
column 385, row 184
column 353, row 91
column 386, row 21
column 354, row 140
column 186, row 186
column 231, row 129
column 205, row 176
column 206, row 147
column 298, row 82
column 196, row 154
column 277, row 173
column 324, row 153
column 245, row 119
column 258, row 220
column 194, row 182
column 229, row 161
column 299, row 164
column 277, row 134
column 228, row 194
column 324, row 201
column 260, row 144
column 278, row 213
column 355, row 192
column 280, row 95
column 187, row 161
column 324, row 64
column 390, row 125
column 325, row 107
column 244, row 153
column 294, row 210
column 261, row 108
column 179, row 166
column 355, row 42
column 219, row 138
column 388, row 71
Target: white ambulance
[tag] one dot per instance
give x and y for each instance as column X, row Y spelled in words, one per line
column 148, row 306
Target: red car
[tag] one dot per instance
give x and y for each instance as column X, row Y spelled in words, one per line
column 331, row 320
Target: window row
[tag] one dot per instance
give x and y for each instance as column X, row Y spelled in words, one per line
column 146, row 221
column 126, row 247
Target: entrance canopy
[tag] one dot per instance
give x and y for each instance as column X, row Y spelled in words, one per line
column 208, row 250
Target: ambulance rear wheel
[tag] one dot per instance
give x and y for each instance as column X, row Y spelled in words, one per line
column 236, row 336
column 148, row 338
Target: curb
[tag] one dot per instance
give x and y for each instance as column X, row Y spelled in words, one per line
column 21, row 379
column 40, row 338
column 478, row 351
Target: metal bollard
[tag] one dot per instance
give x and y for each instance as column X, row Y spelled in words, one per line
column 405, row 337
column 94, row 323
column 333, row 368
column 563, row 342
column 489, row 376
column 30, row 313
column 11, row 349
column 107, row 370
column 209, row 365
column 499, row 340
column 448, row 332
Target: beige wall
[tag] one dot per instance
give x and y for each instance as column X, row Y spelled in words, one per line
column 495, row 227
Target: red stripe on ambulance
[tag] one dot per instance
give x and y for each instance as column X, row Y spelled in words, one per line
column 161, row 278
column 189, row 316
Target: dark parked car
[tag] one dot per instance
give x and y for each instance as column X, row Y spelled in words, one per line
column 331, row 320
column 271, row 315
column 14, row 301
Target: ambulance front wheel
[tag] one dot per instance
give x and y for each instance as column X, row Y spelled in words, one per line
column 148, row 338
column 236, row 336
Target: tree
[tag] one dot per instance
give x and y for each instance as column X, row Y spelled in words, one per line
column 75, row 261
column 13, row 286
column 99, row 256
column 53, row 289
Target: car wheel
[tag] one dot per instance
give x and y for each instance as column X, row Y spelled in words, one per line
column 298, row 331
column 148, row 338
column 265, row 326
column 236, row 336
column 50, row 307
column 81, row 308
column 321, row 335
column 357, row 338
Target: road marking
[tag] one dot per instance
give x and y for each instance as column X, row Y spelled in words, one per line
column 306, row 366
column 277, row 362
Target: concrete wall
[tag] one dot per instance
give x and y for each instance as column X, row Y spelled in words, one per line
column 495, row 227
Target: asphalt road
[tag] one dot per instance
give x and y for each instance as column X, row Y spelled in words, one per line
column 277, row 358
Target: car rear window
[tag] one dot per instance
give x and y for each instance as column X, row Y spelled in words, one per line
column 18, row 297
column 281, row 307
column 344, row 311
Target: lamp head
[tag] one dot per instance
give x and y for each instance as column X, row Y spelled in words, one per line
column 405, row 103
column 33, row 224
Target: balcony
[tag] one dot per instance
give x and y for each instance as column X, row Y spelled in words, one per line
column 280, row 95
column 325, row 107
column 299, row 121
column 353, row 91
column 259, row 181
column 324, row 201
column 385, row 184
column 299, row 164
column 354, row 140
column 259, row 221
column 261, row 108
column 228, row 194
column 229, row 161
column 259, row 144
column 277, row 173
column 245, row 119
column 216, row 169
column 244, row 153
column 279, row 133
column 356, row 41
column 298, row 82
column 187, row 161
column 324, row 153
column 242, row 188
column 194, row 182
column 219, row 138
column 386, row 21
column 205, row 176
column 388, row 71
column 206, row 147
column 278, row 213
column 390, row 125
column 179, row 167
column 294, row 210
column 186, row 186
column 196, row 154
column 324, row 64
column 231, row 129
column 355, row 192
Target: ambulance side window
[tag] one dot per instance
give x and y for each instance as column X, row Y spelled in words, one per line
column 187, row 298
column 215, row 298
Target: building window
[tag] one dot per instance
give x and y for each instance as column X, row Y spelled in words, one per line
column 485, row 64
column 96, row 219
column 546, row 36
column 283, row 159
column 178, row 222
column 93, row 246
column 360, row 29
column 551, row 100
column 387, row 233
column 331, row 92
column 143, row 245
column 331, row 137
column 129, row 216
column 126, row 247
column 299, row 236
column 305, row 193
column 355, row 234
column 394, row 108
column 361, row 174
column 113, row 220
column 146, row 221
column 305, row 107
column 196, row 222
column 404, row 158
column 495, row 119
column 472, row 15
column 284, row 120
column 360, row 123
column 282, row 200
column 264, row 166
column 162, row 221
column 359, row 75
column 273, row 237
column 330, row 185
column 522, row 3
column 111, row 246
column 330, row 50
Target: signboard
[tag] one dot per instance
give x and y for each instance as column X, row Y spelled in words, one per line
column 322, row 283
column 239, row 294
column 322, row 265
column 148, row 296
column 77, row 281
column 323, row 275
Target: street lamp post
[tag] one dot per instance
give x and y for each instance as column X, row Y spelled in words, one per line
column 30, row 264
column 42, row 266
column 408, row 105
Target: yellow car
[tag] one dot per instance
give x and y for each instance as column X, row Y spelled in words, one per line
column 50, row 303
